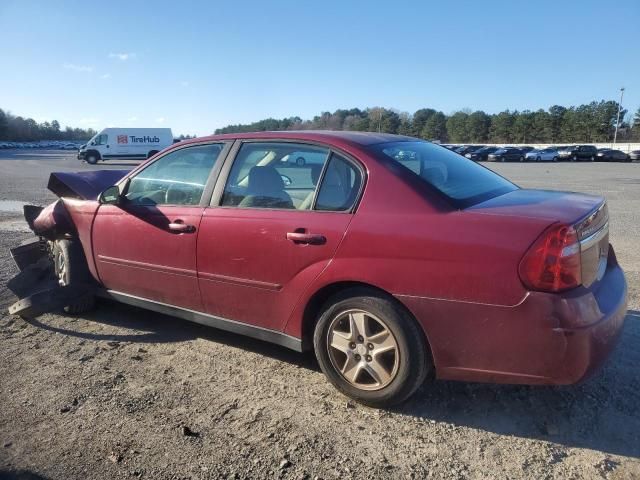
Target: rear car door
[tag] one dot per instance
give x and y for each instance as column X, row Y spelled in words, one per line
column 260, row 246
column 146, row 245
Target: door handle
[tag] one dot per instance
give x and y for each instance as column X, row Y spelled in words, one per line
column 179, row 226
column 306, row 238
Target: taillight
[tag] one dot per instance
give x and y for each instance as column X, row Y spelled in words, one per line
column 552, row 263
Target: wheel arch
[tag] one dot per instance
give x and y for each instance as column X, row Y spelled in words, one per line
column 319, row 298
column 93, row 151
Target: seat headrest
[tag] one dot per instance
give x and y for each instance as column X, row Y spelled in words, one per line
column 264, row 180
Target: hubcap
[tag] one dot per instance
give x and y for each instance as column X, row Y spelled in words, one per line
column 363, row 349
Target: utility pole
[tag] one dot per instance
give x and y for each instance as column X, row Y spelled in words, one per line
column 615, row 135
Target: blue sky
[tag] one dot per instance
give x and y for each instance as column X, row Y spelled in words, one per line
column 196, row 66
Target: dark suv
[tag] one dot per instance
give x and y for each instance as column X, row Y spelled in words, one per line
column 578, row 152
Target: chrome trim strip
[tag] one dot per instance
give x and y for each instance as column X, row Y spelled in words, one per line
column 146, row 266
column 243, row 282
column 260, row 333
column 591, row 240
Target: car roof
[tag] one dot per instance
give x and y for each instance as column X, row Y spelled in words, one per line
column 349, row 137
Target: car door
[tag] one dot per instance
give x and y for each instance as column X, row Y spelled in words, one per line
column 146, row 245
column 259, row 247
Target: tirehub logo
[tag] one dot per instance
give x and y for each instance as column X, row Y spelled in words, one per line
column 122, row 139
column 145, row 139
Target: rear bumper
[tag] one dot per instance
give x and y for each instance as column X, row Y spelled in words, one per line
column 547, row 339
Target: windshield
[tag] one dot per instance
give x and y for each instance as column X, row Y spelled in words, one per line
column 462, row 181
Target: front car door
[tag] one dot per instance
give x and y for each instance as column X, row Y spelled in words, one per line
column 272, row 228
column 146, row 245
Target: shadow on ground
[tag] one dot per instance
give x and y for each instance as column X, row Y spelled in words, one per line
column 601, row 414
column 20, row 475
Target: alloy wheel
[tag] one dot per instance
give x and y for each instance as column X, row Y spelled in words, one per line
column 363, row 349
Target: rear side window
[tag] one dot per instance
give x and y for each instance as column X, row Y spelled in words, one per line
column 276, row 175
column 462, row 181
column 340, row 186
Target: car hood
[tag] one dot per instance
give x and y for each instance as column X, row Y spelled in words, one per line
column 83, row 185
column 567, row 207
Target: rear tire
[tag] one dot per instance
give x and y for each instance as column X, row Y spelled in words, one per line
column 71, row 269
column 370, row 348
column 592, row 158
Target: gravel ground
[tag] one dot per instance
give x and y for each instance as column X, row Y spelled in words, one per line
column 125, row 393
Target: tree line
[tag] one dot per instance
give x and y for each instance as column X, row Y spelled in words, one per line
column 589, row 123
column 19, row 129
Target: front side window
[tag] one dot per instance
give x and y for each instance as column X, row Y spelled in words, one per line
column 101, row 139
column 462, row 181
column 274, row 175
column 177, row 178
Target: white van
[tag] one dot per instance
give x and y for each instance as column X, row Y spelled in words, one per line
column 125, row 143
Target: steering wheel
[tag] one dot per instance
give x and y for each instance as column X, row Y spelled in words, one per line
column 175, row 195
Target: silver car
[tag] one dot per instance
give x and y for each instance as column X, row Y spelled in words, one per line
column 548, row 154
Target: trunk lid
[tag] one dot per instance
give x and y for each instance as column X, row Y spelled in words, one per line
column 588, row 214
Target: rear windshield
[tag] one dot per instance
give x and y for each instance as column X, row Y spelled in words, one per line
column 460, row 180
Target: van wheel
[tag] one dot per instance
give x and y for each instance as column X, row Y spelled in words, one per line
column 92, row 158
column 370, row 349
column 71, row 269
column 151, row 153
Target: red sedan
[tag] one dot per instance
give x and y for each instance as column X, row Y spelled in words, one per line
column 394, row 259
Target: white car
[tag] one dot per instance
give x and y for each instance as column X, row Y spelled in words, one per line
column 548, row 154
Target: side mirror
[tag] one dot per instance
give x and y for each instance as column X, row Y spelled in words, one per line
column 92, row 143
column 286, row 180
column 111, row 196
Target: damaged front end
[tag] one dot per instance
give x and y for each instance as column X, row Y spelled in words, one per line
column 42, row 284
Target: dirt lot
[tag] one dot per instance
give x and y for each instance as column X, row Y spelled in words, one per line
column 123, row 393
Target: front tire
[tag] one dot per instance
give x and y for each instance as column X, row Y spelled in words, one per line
column 370, row 348
column 71, row 270
column 92, row 158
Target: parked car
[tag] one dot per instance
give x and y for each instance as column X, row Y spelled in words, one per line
column 469, row 149
column 507, row 154
column 634, row 155
column 575, row 153
column 387, row 290
column 548, row 154
column 481, row 154
column 125, row 144
column 611, row 155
